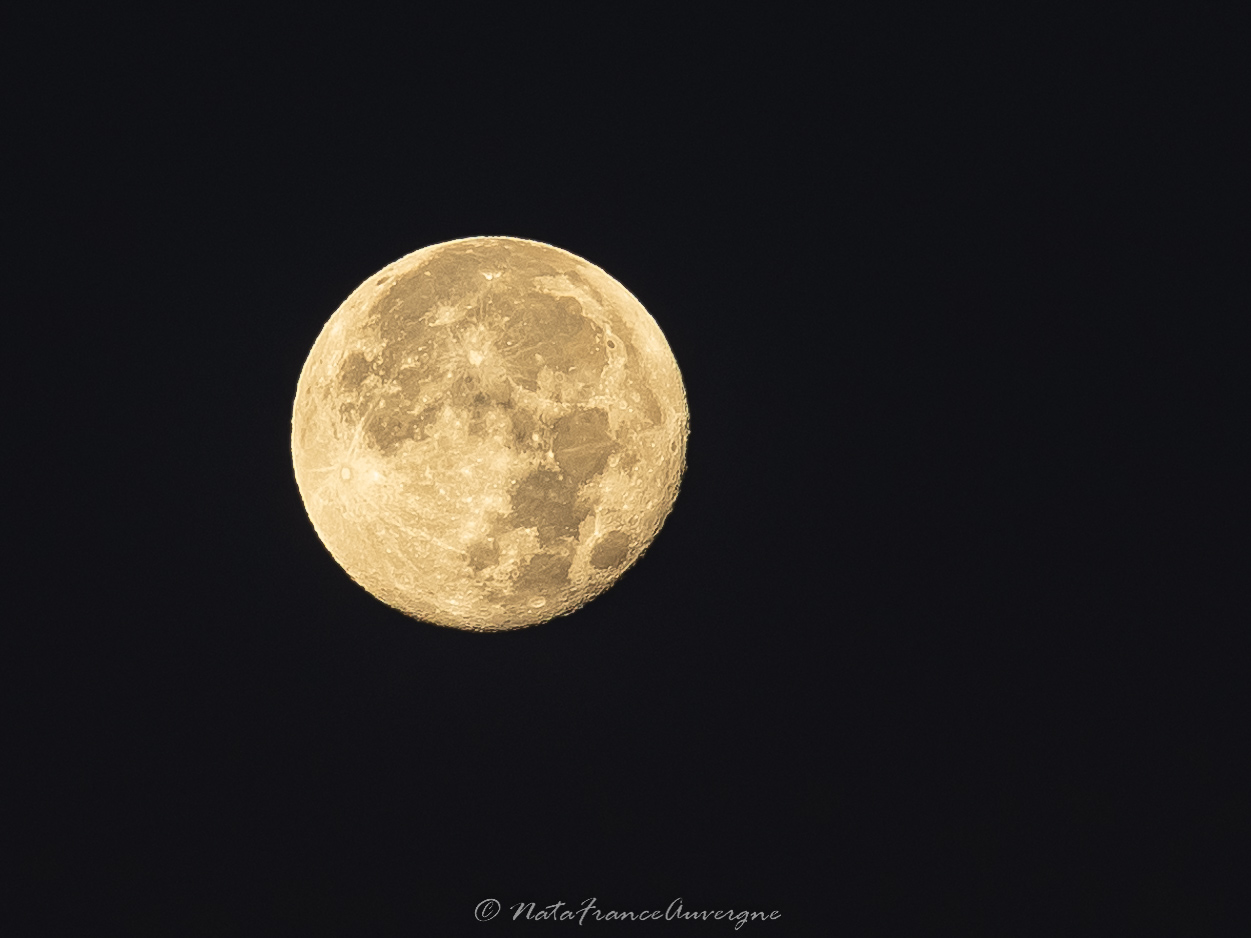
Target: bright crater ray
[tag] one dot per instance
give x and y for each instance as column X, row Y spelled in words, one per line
column 488, row 432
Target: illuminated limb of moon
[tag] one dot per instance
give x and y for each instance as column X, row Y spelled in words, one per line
column 488, row 432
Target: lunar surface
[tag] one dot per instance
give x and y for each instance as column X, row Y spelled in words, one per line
column 489, row 432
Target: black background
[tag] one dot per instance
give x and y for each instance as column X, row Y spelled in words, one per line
column 934, row 639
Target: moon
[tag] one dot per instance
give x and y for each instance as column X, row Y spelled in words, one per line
column 488, row 432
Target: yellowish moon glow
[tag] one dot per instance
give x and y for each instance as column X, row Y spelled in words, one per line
column 489, row 432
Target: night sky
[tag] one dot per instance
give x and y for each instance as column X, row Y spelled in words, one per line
column 931, row 635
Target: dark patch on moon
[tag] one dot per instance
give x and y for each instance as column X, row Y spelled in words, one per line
column 468, row 398
column 651, row 407
column 611, row 550
column 349, row 413
column 498, row 387
column 390, row 427
column 544, row 573
column 411, row 380
column 477, row 414
column 524, row 426
column 583, row 443
column 401, row 312
column 356, row 368
column 549, row 331
column 483, row 554
column 546, row 501
column 629, row 459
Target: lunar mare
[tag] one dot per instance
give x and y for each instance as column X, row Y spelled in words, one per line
column 488, row 432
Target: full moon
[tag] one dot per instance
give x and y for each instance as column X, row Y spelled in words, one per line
column 488, row 432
